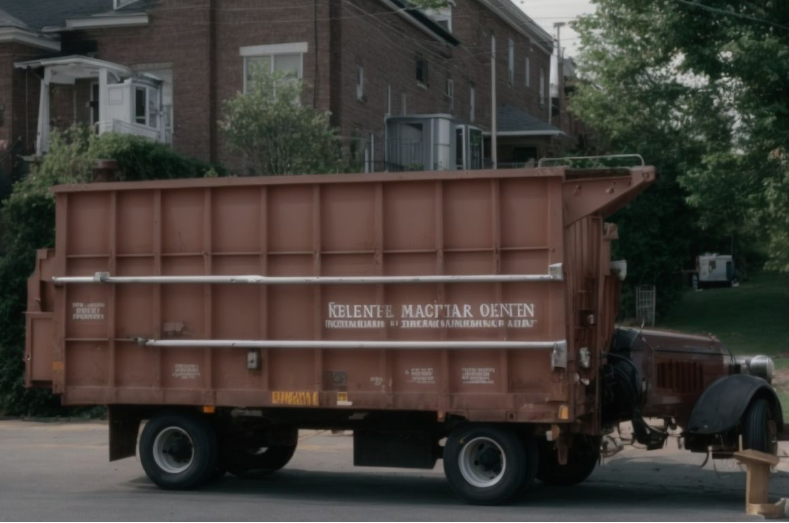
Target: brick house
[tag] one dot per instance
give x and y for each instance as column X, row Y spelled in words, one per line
column 406, row 88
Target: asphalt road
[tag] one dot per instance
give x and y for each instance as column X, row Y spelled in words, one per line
column 59, row 471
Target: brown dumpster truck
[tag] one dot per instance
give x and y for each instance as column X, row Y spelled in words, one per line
column 463, row 316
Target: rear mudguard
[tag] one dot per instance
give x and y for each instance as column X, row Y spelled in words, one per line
column 723, row 403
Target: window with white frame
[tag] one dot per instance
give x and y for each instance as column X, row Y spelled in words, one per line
column 359, row 82
column 285, row 59
column 542, row 86
column 472, row 105
column 146, row 106
column 511, row 61
column 528, row 72
column 450, row 89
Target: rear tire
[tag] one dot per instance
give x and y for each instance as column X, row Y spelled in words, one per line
column 178, row 451
column 264, row 460
column 241, row 460
column 756, row 433
column 582, row 459
column 487, row 465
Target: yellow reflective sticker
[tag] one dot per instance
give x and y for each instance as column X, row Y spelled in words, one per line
column 287, row 397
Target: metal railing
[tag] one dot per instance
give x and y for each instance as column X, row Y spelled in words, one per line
column 555, row 273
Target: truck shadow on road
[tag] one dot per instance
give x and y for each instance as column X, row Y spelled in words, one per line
column 629, row 486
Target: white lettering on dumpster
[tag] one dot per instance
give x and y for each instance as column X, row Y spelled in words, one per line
column 87, row 311
column 431, row 316
column 477, row 375
column 186, row 371
column 421, row 375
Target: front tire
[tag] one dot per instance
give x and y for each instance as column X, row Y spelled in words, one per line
column 756, row 433
column 582, row 459
column 487, row 465
column 178, row 451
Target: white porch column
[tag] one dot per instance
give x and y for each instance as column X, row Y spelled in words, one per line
column 42, row 139
column 103, row 94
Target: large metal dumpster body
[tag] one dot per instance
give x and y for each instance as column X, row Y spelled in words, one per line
column 475, row 294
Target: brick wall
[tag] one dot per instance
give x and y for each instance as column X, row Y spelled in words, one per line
column 179, row 32
column 19, row 93
column 202, row 39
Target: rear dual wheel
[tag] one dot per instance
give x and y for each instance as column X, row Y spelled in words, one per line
column 241, row 461
column 178, row 451
column 487, row 465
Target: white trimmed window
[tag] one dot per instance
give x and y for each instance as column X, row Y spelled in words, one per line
column 511, row 61
column 450, row 88
column 287, row 59
column 528, row 72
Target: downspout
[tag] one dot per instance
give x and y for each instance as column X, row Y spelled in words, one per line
column 494, row 144
column 317, row 57
column 212, row 83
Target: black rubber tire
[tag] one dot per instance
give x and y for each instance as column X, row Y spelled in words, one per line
column 242, row 462
column 755, row 427
column 520, row 455
column 582, row 459
column 204, row 448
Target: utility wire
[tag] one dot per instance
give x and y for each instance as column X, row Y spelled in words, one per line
column 732, row 13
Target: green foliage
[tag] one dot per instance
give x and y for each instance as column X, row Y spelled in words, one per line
column 701, row 89
column 28, row 217
column 275, row 133
column 701, row 96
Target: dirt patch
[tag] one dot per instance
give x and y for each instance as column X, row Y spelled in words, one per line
column 781, row 379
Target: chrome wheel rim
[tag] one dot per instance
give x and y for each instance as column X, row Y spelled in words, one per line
column 482, row 462
column 173, row 450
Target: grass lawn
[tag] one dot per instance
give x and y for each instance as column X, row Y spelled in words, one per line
column 750, row 319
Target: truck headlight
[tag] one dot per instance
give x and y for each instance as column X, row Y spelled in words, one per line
column 763, row 367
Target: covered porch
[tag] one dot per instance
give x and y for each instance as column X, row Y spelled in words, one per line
column 523, row 139
column 109, row 96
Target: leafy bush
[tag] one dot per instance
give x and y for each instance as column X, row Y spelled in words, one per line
column 29, row 217
column 278, row 135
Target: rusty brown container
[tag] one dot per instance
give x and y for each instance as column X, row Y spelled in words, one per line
column 483, row 294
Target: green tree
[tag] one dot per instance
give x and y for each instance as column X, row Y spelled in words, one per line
column 702, row 94
column 276, row 133
column 28, row 217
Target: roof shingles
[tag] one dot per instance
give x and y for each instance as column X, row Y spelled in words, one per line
column 511, row 119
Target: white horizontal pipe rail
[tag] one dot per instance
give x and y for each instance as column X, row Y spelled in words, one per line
column 558, row 348
column 317, row 344
column 555, row 274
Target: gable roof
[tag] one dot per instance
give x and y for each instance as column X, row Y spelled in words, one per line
column 516, row 122
column 8, row 20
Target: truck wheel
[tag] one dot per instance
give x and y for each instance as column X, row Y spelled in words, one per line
column 756, row 433
column 178, row 451
column 265, row 459
column 582, row 459
column 488, row 465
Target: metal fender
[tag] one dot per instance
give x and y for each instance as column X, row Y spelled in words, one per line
column 724, row 402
